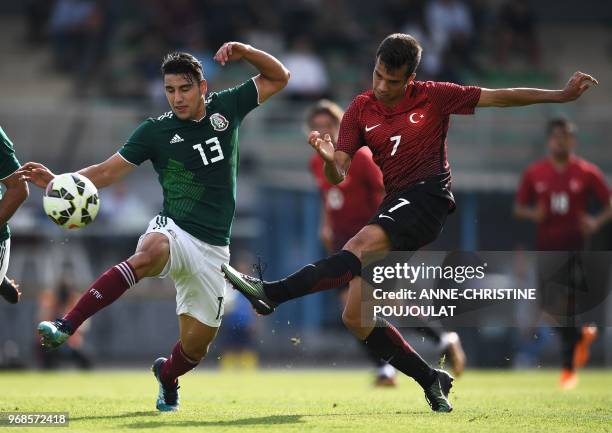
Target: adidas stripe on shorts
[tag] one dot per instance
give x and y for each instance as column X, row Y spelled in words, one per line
column 195, row 268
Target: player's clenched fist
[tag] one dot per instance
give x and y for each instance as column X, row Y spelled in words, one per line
column 231, row 51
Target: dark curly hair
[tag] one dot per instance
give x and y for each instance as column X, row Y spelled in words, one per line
column 184, row 64
column 399, row 49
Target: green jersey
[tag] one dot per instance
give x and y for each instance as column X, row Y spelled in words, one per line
column 8, row 166
column 197, row 162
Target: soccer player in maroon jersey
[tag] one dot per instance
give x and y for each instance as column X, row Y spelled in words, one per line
column 346, row 208
column 554, row 194
column 404, row 122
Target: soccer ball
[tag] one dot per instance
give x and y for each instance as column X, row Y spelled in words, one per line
column 71, row 201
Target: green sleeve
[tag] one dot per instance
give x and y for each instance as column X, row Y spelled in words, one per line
column 8, row 162
column 139, row 147
column 242, row 98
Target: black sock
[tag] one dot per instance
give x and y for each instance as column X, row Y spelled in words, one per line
column 569, row 338
column 386, row 341
column 329, row 273
column 433, row 334
column 373, row 357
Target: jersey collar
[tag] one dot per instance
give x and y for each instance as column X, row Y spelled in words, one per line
column 200, row 120
column 405, row 104
column 570, row 161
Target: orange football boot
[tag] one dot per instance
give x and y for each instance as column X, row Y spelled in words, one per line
column 568, row 379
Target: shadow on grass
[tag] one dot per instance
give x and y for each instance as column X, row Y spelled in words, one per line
column 123, row 415
column 265, row 420
column 166, row 419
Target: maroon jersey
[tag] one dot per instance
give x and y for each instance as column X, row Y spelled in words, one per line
column 408, row 141
column 564, row 195
column 350, row 204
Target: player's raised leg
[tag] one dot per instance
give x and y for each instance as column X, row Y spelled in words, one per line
column 195, row 338
column 326, row 274
column 149, row 260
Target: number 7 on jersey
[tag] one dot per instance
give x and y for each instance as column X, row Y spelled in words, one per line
column 396, row 139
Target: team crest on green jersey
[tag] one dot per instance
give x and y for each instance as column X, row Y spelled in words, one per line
column 218, row 122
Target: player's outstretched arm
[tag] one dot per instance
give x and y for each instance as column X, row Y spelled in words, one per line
column 15, row 194
column 102, row 175
column 108, row 172
column 273, row 76
column 575, row 87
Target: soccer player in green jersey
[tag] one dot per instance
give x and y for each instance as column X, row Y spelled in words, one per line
column 15, row 194
column 194, row 150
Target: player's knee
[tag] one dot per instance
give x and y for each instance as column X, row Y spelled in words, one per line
column 371, row 238
column 151, row 260
column 143, row 263
column 356, row 326
column 351, row 322
column 355, row 245
column 194, row 350
column 160, row 252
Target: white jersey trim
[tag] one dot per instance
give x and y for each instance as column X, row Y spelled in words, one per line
column 257, row 89
column 167, row 114
column 126, row 160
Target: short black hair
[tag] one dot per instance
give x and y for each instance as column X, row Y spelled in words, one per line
column 561, row 122
column 325, row 106
column 182, row 63
column 400, row 49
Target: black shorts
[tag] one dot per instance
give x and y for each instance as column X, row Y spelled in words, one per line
column 414, row 217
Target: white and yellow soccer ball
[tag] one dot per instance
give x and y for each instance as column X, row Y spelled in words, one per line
column 71, row 201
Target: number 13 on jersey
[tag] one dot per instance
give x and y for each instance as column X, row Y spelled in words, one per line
column 216, row 148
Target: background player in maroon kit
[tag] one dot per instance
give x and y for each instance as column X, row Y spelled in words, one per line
column 346, row 208
column 554, row 193
column 404, row 122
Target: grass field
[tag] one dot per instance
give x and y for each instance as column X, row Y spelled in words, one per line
column 311, row 401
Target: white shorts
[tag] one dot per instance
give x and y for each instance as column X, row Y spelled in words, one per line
column 5, row 252
column 195, row 268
